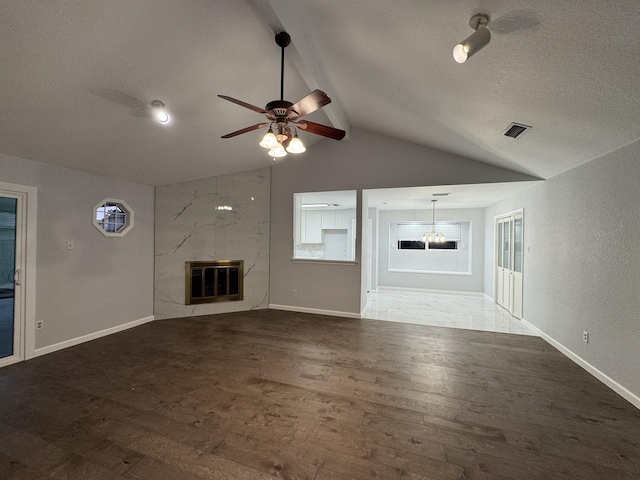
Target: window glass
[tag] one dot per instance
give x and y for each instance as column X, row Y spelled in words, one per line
column 114, row 218
column 410, row 250
column 411, row 245
column 500, row 244
column 506, row 253
column 517, row 247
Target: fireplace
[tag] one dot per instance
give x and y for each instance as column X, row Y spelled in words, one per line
column 213, row 281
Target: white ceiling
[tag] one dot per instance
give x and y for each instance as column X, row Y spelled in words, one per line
column 459, row 196
column 76, row 76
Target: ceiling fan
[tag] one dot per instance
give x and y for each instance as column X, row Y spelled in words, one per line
column 285, row 117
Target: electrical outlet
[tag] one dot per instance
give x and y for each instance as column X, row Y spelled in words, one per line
column 39, row 324
column 585, row 337
column 295, row 293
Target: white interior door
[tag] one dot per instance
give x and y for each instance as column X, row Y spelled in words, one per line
column 369, row 250
column 509, row 260
column 499, row 287
column 516, row 271
column 506, row 265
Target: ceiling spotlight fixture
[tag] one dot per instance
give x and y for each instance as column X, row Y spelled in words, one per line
column 160, row 112
column 433, row 237
column 474, row 42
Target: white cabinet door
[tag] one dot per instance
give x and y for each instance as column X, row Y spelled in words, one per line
column 329, row 219
column 312, row 226
column 343, row 219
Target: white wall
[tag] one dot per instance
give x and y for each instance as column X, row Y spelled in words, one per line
column 104, row 282
column 367, row 160
column 583, row 271
column 432, row 281
column 188, row 227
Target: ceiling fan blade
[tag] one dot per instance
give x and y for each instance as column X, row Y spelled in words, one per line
column 245, row 130
column 323, row 130
column 312, row 102
column 243, row 104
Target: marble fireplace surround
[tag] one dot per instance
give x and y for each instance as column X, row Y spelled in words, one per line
column 188, row 227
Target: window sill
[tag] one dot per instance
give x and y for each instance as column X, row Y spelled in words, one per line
column 324, row 262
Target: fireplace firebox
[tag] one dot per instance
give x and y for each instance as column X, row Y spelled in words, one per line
column 213, row 281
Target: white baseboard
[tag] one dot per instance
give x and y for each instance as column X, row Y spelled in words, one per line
column 91, row 336
column 429, row 290
column 604, row 378
column 333, row 313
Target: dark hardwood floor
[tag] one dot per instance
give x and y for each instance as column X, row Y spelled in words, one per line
column 264, row 394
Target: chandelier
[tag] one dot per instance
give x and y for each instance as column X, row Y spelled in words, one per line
column 433, row 236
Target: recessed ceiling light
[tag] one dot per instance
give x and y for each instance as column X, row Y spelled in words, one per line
column 160, row 112
column 163, row 118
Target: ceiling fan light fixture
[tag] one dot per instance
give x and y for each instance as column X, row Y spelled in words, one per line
column 278, row 151
column 474, row 42
column 296, row 145
column 284, row 114
column 269, row 140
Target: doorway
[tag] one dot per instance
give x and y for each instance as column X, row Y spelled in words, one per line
column 9, row 320
column 17, row 272
column 508, row 284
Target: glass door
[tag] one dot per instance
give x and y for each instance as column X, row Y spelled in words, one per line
column 9, row 274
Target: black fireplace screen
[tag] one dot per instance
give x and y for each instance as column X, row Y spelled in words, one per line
column 213, row 281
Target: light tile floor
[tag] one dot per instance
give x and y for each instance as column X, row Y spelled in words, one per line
column 442, row 310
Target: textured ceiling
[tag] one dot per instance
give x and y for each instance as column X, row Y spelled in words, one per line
column 76, row 76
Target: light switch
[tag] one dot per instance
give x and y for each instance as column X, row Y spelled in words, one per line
column 69, row 244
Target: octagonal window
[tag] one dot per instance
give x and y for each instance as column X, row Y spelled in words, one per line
column 114, row 218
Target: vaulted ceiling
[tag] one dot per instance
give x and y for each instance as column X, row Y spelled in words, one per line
column 76, row 79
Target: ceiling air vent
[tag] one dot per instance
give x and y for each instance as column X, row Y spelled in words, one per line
column 440, row 194
column 515, row 130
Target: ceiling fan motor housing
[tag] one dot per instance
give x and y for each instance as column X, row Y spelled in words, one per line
column 280, row 108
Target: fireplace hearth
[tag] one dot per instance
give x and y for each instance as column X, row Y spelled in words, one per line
column 213, row 281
